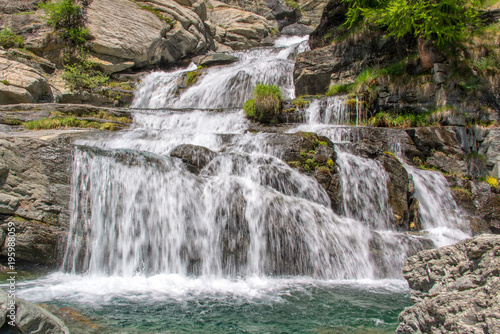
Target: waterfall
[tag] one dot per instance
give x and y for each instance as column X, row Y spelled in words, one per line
column 225, row 86
column 138, row 211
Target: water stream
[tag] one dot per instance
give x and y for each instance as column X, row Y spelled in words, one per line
column 247, row 245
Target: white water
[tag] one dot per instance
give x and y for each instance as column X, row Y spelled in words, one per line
column 225, row 86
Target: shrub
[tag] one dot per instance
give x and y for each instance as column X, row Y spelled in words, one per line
column 8, row 39
column 82, row 75
column 266, row 103
column 267, row 98
column 62, row 14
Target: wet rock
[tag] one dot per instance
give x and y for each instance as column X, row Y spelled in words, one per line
column 194, row 157
column 455, row 289
column 36, row 242
column 297, row 29
column 217, row 59
column 414, row 217
column 397, row 189
column 29, row 318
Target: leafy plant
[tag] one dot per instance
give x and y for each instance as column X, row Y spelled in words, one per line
column 5, row 82
column 62, row 14
column 266, row 102
column 8, row 39
column 83, row 75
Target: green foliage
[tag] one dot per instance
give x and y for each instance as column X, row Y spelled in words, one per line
column 339, row 89
column 443, row 21
column 83, row 75
column 266, row 102
column 301, row 103
column 77, row 35
column 62, row 14
column 250, row 108
column 390, row 120
column 11, row 121
column 293, row 4
column 5, row 82
column 8, row 39
column 192, row 77
column 68, row 122
column 461, row 190
column 101, row 114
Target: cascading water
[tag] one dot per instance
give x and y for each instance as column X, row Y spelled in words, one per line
column 245, row 235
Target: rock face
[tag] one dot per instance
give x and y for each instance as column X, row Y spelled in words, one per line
column 456, row 289
column 29, row 318
column 235, row 27
column 20, row 83
column 35, row 172
column 334, row 15
column 340, row 63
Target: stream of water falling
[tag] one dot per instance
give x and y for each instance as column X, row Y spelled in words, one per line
column 249, row 244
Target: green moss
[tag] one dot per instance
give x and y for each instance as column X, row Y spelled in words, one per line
column 11, row 121
column 158, row 14
column 192, row 77
column 390, row 153
column 392, row 120
column 301, row 103
column 5, row 82
column 67, row 122
column 101, row 114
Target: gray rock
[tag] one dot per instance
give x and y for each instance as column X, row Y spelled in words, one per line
column 455, row 289
column 29, row 318
column 297, row 29
column 195, row 157
column 217, row 59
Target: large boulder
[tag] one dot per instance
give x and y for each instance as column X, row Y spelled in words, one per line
column 194, row 157
column 397, row 188
column 330, row 26
column 28, row 317
column 35, row 173
column 237, row 28
column 456, row 289
column 20, row 83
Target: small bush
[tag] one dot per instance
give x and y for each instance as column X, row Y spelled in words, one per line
column 82, row 74
column 78, row 35
column 267, row 98
column 8, row 39
column 62, row 14
column 390, row 120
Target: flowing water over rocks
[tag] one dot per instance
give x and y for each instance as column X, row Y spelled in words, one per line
column 236, row 224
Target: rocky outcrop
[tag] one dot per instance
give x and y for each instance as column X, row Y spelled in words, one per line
column 456, row 289
column 35, row 172
column 29, row 318
column 330, row 26
column 341, row 62
column 216, row 59
column 20, row 83
column 237, row 28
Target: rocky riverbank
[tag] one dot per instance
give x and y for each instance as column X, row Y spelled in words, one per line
column 456, row 289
